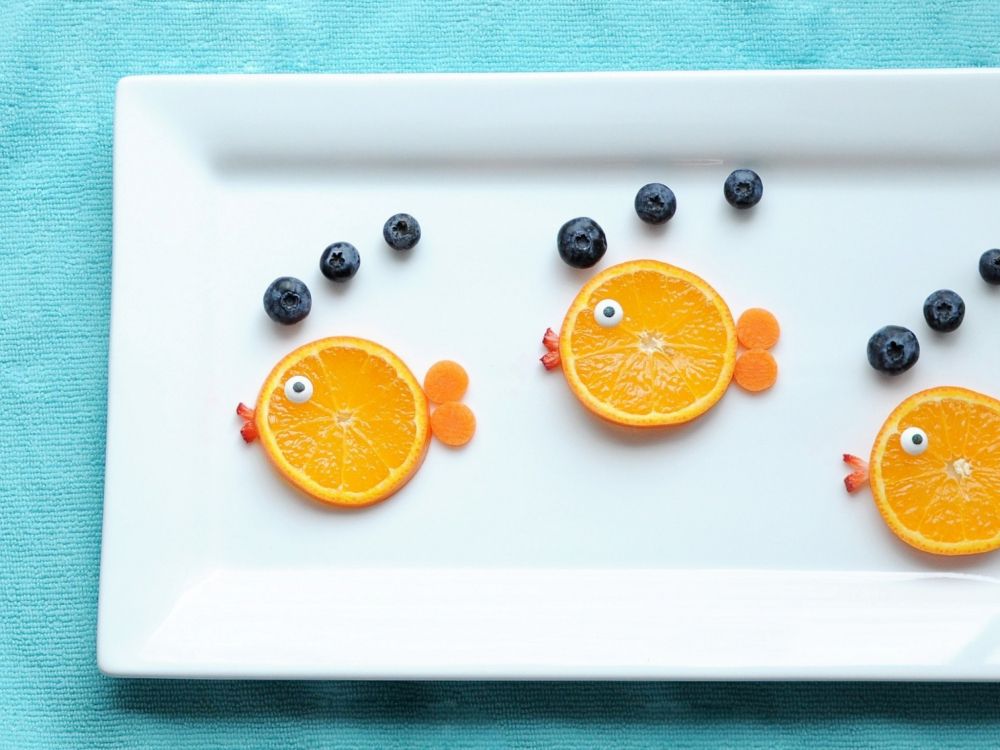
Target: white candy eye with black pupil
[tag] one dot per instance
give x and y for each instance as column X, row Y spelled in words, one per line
column 608, row 313
column 913, row 440
column 298, row 389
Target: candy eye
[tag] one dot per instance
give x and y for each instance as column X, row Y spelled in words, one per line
column 608, row 313
column 298, row 389
column 913, row 440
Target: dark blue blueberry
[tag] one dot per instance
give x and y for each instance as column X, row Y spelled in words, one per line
column 893, row 349
column 340, row 261
column 944, row 310
column 287, row 300
column 743, row 188
column 582, row 242
column 655, row 203
column 401, row 231
column 989, row 266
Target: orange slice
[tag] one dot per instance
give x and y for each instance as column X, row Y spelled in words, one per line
column 668, row 360
column 945, row 500
column 362, row 432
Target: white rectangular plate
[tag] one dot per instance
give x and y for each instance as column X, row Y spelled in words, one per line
column 553, row 545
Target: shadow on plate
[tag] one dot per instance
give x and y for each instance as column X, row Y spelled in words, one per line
column 586, row 704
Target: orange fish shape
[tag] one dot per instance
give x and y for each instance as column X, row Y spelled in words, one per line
column 934, row 471
column 345, row 420
column 648, row 344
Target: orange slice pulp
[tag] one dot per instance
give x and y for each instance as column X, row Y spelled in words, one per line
column 360, row 436
column 669, row 359
column 946, row 500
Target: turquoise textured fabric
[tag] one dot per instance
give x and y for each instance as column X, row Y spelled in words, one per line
column 58, row 65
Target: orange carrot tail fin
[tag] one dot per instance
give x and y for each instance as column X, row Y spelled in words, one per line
column 857, row 478
column 551, row 342
column 249, row 429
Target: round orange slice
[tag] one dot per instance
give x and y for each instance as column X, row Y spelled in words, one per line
column 648, row 344
column 935, row 471
column 344, row 420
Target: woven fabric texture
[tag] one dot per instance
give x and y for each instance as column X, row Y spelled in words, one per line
column 59, row 62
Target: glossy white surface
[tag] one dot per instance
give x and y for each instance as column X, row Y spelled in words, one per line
column 553, row 545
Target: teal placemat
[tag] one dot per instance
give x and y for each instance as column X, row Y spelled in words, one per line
column 58, row 67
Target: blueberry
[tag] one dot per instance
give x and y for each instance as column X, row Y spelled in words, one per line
column 401, row 231
column 655, row 203
column 743, row 188
column 944, row 310
column 989, row 266
column 340, row 261
column 893, row 349
column 582, row 242
column 287, row 300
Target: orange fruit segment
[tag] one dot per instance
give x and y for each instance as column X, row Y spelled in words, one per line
column 668, row 360
column 361, row 433
column 946, row 499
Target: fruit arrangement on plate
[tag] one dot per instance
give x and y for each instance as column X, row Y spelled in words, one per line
column 648, row 344
column 934, row 469
column 344, row 419
column 643, row 344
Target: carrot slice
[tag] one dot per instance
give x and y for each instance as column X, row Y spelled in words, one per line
column 757, row 329
column 755, row 370
column 445, row 381
column 453, row 423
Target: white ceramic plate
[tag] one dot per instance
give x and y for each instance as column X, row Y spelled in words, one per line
column 553, row 546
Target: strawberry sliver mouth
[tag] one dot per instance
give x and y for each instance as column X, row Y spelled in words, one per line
column 249, row 429
column 551, row 342
column 857, row 478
